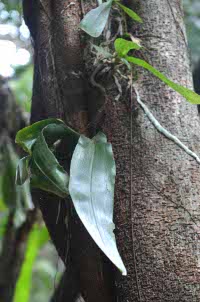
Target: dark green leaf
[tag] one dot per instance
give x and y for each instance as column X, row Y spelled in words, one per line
column 49, row 167
column 27, row 136
column 92, row 180
column 123, row 46
column 55, row 132
column 46, row 172
column 190, row 95
column 130, row 12
column 95, row 21
column 40, row 181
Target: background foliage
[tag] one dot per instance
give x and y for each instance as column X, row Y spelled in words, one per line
column 41, row 267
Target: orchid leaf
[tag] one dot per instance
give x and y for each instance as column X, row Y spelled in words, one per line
column 91, row 186
column 190, row 95
column 95, row 20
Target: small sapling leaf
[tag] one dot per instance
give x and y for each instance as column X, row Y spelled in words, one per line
column 123, row 46
column 129, row 12
column 190, row 95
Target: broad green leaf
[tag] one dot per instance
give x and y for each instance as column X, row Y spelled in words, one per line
column 190, row 95
column 27, row 136
column 22, row 171
column 130, row 12
column 95, row 21
column 123, row 46
column 49, row 167
column 37, row 238
column 45, row 171
column 91, row 186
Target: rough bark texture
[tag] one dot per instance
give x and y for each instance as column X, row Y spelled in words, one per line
column 156, row 180
column 157, row 183
column 60, row 90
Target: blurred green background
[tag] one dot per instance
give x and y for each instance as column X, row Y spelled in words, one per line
column 41, row 268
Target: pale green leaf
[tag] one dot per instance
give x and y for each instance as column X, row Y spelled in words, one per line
column 190, row 95
column 130, row 12
column 95, row 21
column 123, row 46
column 91, row 186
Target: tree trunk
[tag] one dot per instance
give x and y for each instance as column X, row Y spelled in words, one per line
column 157, row 184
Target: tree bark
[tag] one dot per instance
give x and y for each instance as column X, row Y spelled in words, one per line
column 157, row 184
column 60, row 90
